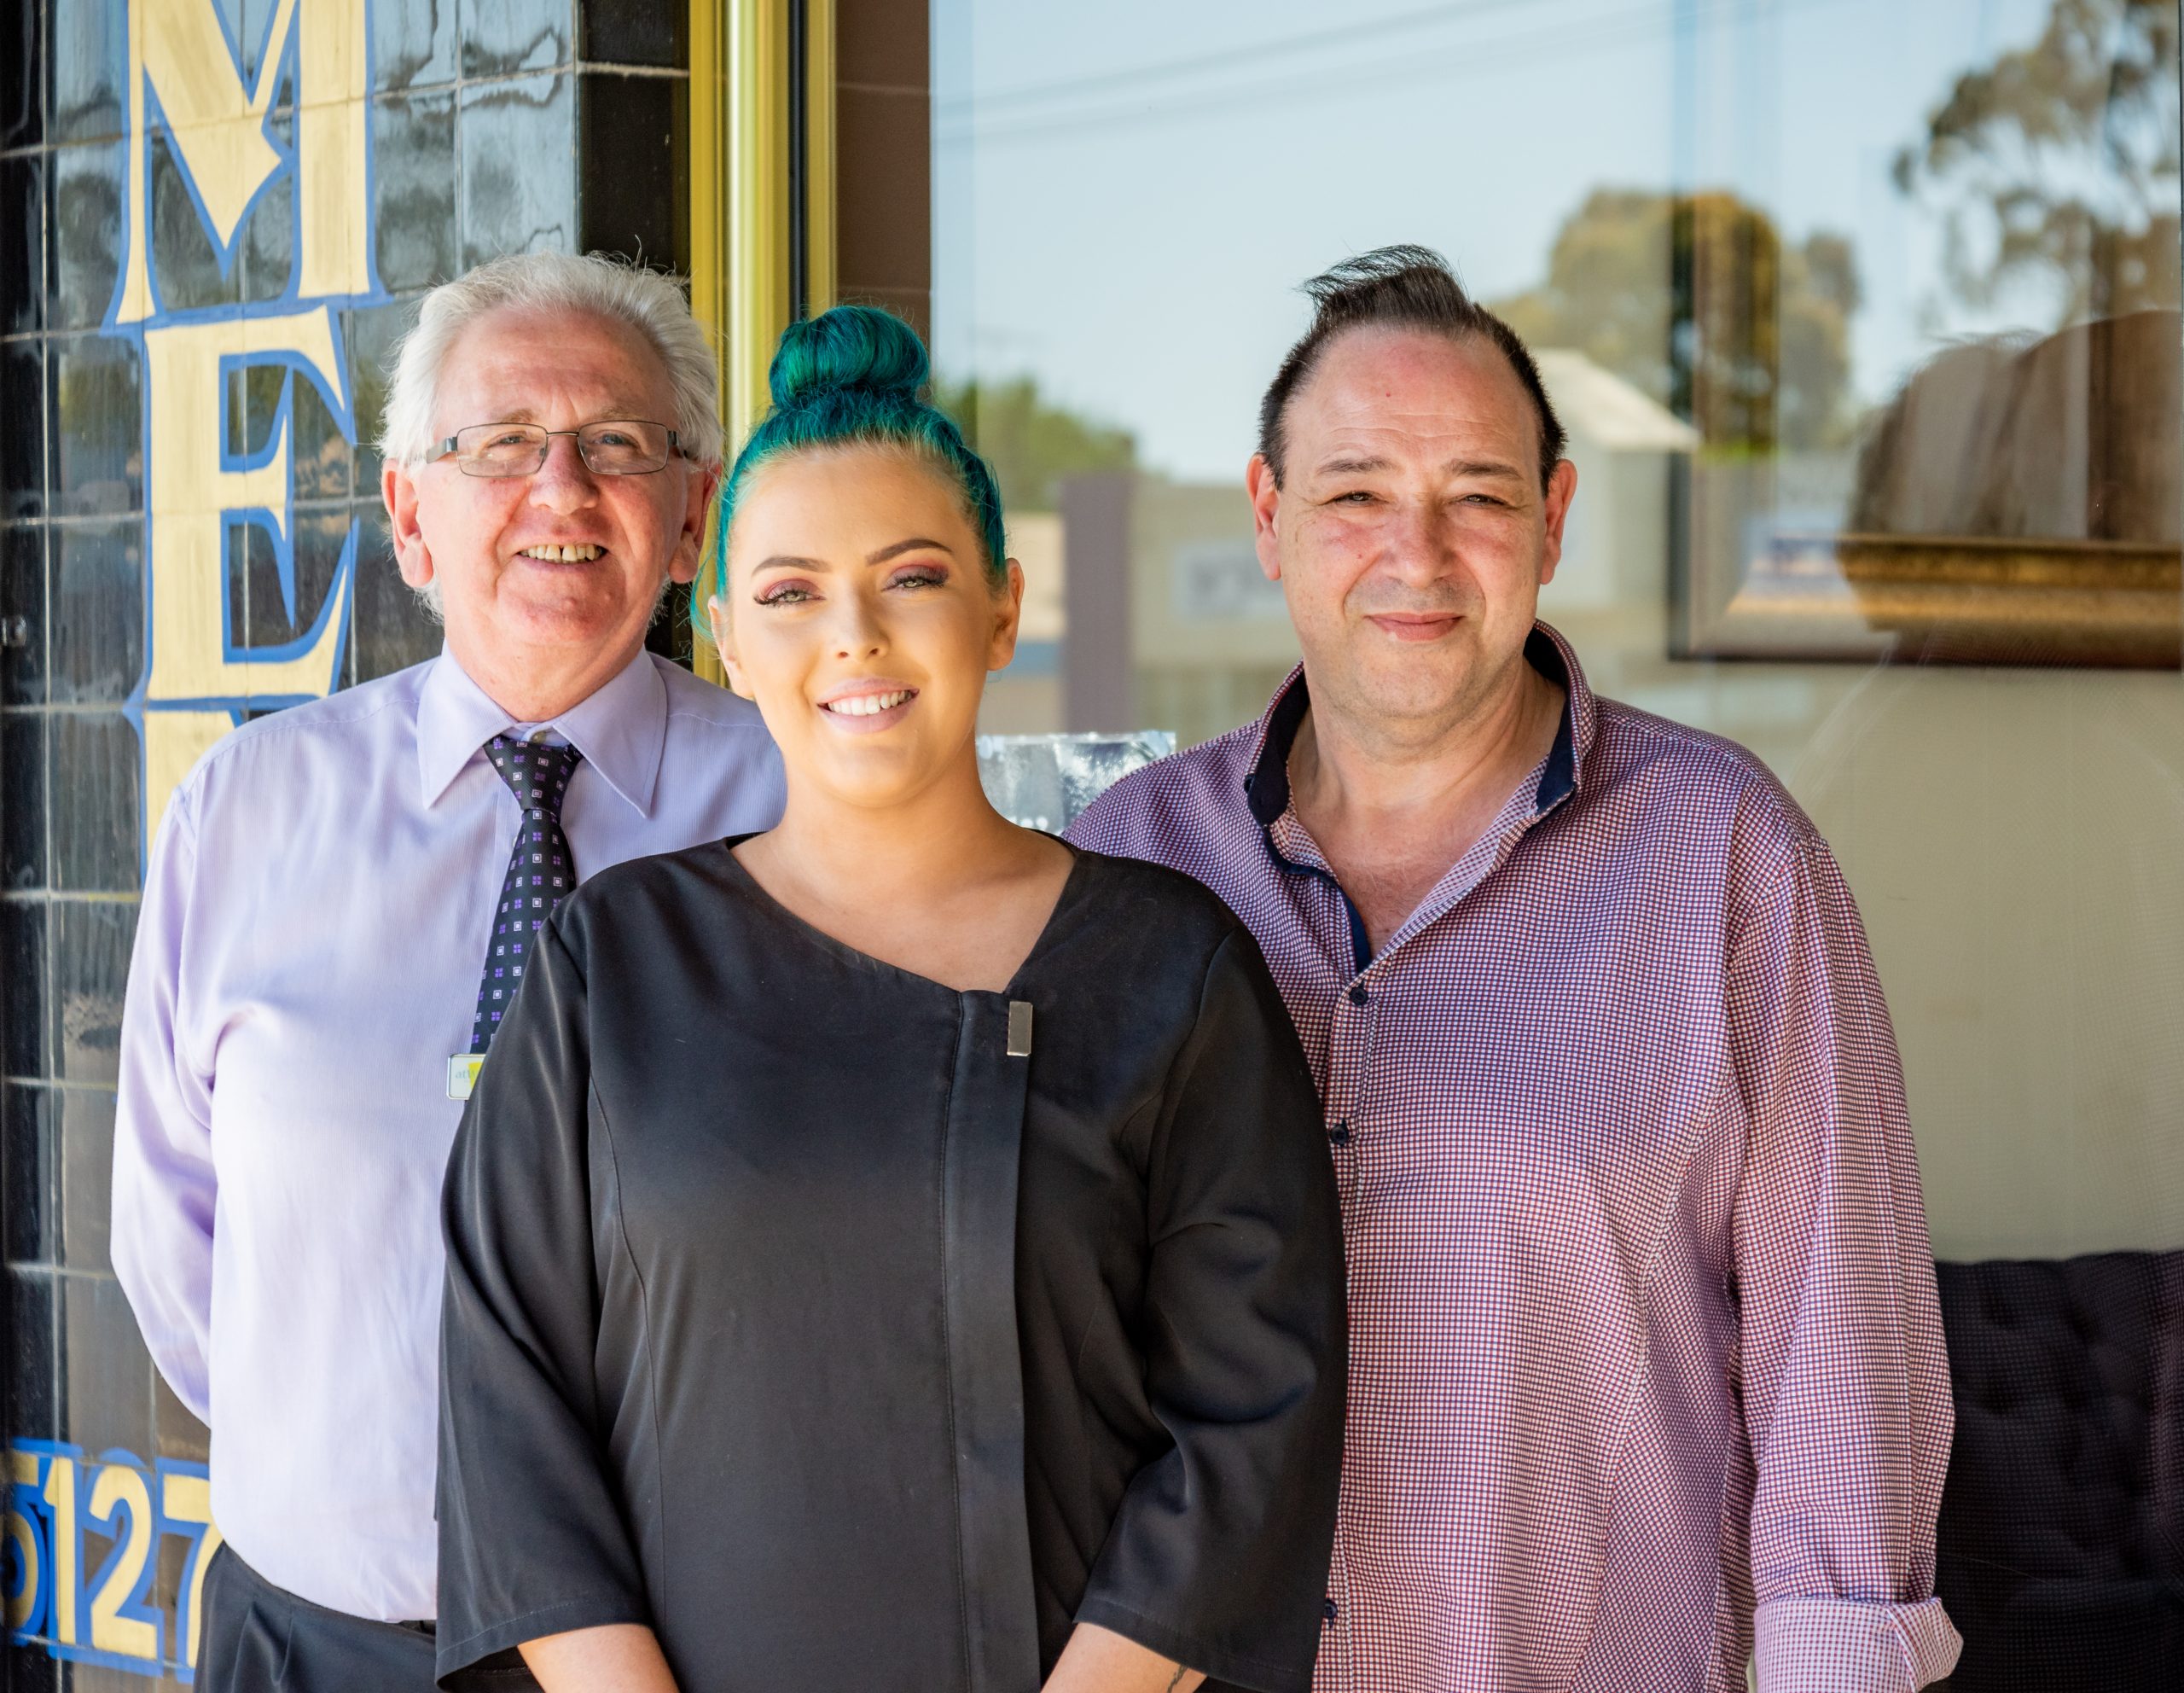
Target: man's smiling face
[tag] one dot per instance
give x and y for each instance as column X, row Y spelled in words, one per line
column 1412, row 532
column 543, row 568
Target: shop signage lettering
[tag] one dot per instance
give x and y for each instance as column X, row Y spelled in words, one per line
column 91, row 1539
column 188, row 91
column 109, row 1614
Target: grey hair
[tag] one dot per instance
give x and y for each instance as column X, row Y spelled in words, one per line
column 652, row 304
column 597, row 284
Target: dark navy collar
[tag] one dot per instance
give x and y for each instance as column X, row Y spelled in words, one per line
column 1266, row 788
column 1559, row 781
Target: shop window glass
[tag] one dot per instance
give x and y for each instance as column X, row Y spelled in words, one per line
column 1864, row 320
column 1866, row 329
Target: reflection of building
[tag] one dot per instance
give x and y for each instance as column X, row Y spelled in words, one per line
column 1209, row 637
column 1615, row 547
column 1026, row 697
column 1144, row 604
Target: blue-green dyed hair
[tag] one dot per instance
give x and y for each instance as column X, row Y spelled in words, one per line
column 854, row 376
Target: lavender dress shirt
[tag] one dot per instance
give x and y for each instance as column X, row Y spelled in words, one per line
column 315, row 917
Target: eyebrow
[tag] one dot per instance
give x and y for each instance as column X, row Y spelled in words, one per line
column 1462, row 466
column 793, row 561
column 621, row 411
column 912, row 546
column 1484, row 466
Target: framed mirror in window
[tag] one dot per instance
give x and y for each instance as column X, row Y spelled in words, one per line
column 1944, row 429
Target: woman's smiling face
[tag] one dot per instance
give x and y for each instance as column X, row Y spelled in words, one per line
column 861, row 618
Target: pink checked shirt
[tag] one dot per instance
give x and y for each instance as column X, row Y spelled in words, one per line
column 1645, row 1356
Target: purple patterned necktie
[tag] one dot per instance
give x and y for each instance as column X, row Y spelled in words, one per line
column 541, row 870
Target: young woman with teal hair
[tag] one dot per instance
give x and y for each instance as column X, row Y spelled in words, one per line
column 896, row 1251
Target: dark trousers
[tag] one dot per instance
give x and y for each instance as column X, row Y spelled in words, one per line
column 260, row 1639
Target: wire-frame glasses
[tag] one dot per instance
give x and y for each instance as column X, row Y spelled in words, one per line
column 618, row 447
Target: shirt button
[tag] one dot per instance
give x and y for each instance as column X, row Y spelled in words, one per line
column 1339, row 1134
column 1357, row 993
column 1328, row 1610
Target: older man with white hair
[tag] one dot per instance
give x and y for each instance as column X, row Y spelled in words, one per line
column 337, row 911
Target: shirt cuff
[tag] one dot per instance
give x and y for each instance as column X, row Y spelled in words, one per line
column 1845, row 1646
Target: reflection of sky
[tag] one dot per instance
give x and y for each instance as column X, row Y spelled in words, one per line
column 1134, row 240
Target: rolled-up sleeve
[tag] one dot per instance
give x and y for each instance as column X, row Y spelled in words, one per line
column 1218, row 1556
column 165, row 1187
column 1843, row 1372
column 532, row 1540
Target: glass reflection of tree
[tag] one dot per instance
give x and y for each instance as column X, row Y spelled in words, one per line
column 2058, row 163
column 1697, row 300
column 1032, row 445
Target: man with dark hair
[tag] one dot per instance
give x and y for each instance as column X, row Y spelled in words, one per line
column 1646, row 1369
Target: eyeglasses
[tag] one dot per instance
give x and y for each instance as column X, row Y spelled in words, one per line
column 624, row 447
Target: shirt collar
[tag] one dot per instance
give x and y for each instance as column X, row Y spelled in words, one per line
column 1266, row 787
column 621, row 728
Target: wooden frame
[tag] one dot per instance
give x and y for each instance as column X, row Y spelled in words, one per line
column 1956, row 599
column 2016, row 502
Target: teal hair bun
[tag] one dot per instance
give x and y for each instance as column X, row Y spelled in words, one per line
column 851, row 348
column 850, row 377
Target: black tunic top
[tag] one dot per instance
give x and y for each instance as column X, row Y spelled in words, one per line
column 791, row 1311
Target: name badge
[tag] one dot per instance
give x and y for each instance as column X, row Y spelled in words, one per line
column 462, row 1074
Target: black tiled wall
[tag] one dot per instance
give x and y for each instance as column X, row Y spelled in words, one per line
column 495, row 126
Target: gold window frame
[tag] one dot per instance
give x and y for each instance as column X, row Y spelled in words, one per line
column 763, row 196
